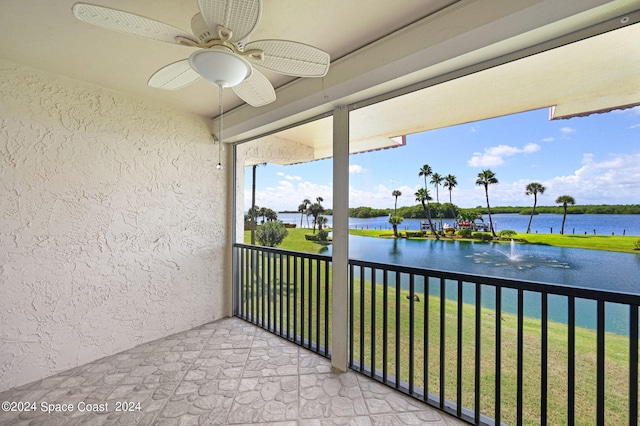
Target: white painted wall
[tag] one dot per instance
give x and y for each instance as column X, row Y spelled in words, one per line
column 113, row 223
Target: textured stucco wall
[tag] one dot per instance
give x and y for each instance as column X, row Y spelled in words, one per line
column 113, row 223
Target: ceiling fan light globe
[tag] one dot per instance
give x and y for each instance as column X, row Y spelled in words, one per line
column 220, row 67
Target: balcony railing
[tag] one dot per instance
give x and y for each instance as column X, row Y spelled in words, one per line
column 486, row 350
column 285, row 292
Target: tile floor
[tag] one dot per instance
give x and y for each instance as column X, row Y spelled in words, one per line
column 227, row 372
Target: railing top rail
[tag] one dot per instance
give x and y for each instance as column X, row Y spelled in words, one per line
column 539, row 287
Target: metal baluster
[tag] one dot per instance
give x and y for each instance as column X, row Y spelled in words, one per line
column 520, row 348
column 478, row 335
column 633, row 365
column 498, row 379
column 398, row 330
column 385, row 324
column 443, row 357
column 459, row 354
column 545, row 357
column 412, row 320
column 571, row 355
column 600, row 364
column 373, row 322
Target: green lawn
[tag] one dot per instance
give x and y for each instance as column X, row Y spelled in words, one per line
column 295, row 241
column 592, row 242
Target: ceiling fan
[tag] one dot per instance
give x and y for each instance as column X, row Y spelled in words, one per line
column 225, row 57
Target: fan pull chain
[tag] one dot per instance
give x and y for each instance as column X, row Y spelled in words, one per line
column 221, row 122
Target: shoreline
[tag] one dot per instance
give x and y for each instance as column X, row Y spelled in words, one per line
column 620, row 244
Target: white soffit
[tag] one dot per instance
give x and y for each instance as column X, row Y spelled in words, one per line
column 318, row 135
column 523, row 25
column 594, row 74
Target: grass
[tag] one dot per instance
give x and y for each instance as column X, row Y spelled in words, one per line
column 591, row 242
column 295, row 241
column 622, row 244
column 616, row 357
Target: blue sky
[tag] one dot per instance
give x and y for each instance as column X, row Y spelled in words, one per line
column 595, row 159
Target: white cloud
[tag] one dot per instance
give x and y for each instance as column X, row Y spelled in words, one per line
column 356, row 169
column 612, row 180
column 287, row 195
column 380, row 197
column 289, row 177
column 566, row 131
column 549, row 139
column 494, row 156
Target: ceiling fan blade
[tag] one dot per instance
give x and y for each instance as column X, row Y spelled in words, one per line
column 127, row 23
column 240, row 16
column 256, row 90
column 174, row 76
column 290, row 58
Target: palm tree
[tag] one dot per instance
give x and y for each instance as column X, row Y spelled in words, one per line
column 426, row 172
column 486, row 178
column 263, row 213
column 565, row 200
column 534, row 188
column 396, row 194
column 436, row 180
column 470, row 216
column 321, row 220
column 450, row 182
column 395, row 221
column 422, row 196
column 270, row 215
column 253, row 203
column 316, row 210
column 302, row 208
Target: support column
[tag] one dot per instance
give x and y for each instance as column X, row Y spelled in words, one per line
column 340, row 287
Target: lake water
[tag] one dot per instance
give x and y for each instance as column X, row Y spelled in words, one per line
column 618, row 272
column 603, row 224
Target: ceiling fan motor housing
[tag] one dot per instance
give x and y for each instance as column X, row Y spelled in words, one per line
column 200, row 29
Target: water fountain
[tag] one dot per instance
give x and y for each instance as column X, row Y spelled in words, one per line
column 512, row 255
column 513, row 258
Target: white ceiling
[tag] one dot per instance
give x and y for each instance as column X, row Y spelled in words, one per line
column 375, row 47
column 44, row 34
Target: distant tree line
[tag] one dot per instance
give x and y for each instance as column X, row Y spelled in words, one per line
column 417, row 212
column 576, row 209
column 407, row 212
